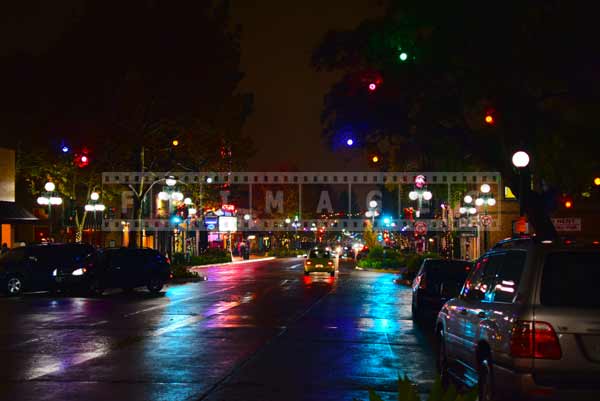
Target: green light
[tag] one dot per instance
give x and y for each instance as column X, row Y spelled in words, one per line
column 403, row 56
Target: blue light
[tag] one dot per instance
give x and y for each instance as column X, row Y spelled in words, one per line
column 386, row 220
column 176, row 219
column 65, row 149
column 350, row 142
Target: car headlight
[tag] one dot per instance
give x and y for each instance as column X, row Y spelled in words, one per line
column 54, row 272
column 79, row 272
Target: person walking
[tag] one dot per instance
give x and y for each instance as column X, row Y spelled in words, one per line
column 4, row 248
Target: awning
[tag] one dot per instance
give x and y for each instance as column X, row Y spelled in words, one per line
column 11, row 213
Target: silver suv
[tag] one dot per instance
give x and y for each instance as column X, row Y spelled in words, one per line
column 526, row 324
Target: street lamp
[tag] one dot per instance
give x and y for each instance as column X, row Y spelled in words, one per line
column 420, row 193
column 485, row 199
column 49, row 199
column 520, row 160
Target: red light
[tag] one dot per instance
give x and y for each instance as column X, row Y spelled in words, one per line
column 84, row 159
column 568, row 204
column 489, row 119
column 596, row 242
column 372, row 86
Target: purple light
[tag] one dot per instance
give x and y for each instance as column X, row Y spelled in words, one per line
column 349, row 142
column 372, row 86
column 65, row 149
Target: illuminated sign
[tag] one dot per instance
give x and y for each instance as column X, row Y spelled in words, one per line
column 227, row 224
column 228, row 208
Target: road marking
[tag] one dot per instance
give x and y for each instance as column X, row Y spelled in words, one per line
column 294, row 266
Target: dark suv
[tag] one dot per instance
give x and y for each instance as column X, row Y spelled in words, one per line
column 35, row 267
column 437, row 281
column 127, row 268
column 527, row 323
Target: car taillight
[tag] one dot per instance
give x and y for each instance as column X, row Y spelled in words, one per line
column 168, row 261
column 534, row 340
column 330, row 263
column 308, row 262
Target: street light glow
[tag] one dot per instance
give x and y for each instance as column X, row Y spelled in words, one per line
column 373, row 204
column 485, row 188
column 187, row 201
column 170, row 181
column 462, row 210
column 99, row 208
column 209, row 180
column 520, row 159
column 427, row 195
column 468, row 199
column 479, row 202
column 349, row 141
column 472, row 210
column 247, row 217
column 413, row 195
column 491, row 202
column 163, row 196
column 288, row 220
column 50, row 187
column 89, row 208
column 42, row 200
column 55, row 200
column 94, row 196
column 177, row 196
column 192, row 211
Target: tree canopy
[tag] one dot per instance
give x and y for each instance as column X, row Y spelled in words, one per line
column 441, row 68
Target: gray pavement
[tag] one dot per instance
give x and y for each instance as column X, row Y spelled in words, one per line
column 257, row 331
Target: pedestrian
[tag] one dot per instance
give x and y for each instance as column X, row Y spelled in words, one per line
column 4, row 248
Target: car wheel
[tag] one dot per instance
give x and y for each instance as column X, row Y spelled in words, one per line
column 14, row 285
column 442, row 360
column 486, row 380
column 155, row 285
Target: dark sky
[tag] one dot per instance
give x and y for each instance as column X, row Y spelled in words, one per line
column 277, row 44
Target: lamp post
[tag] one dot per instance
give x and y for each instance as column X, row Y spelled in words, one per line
column 420, row 193
column 372, row 212
column 468, row 211
column 485, row 199
column 94, row 206
column 49, row 198
column 520, row 160
column 171, row 194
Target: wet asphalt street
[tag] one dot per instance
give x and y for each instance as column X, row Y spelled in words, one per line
column 255, row 331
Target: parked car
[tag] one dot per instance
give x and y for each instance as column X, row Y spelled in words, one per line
column 437, row 281
column 526, row 324
column 319, row 260
column 34, row 267
column 125, row 268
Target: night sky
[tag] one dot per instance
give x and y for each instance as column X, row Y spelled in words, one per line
column 277, row 44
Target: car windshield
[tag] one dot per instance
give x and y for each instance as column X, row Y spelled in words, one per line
column 571, row 279
column 319, row 253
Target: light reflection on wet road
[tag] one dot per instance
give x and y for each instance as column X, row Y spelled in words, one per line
column 257, row 331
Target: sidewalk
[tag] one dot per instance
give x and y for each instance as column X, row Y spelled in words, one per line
column 237, row 260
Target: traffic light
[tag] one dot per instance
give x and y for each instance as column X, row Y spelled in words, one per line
column 175, row 142
column 489, row 118
column 82, row 159
column 375, row 159
column 568, row 204
column 597, row 181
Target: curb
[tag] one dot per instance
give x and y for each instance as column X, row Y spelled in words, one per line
column 241, row 262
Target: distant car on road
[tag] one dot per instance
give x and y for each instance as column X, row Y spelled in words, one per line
column 34, row 267
column 436, row 282
column 526, row 324
column 319, row 260
column 125, row 268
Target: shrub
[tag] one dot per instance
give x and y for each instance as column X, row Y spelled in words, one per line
column 182, row 271
column 407, row 391
column 286, row 252
column 379, row 258
column 210, row 256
